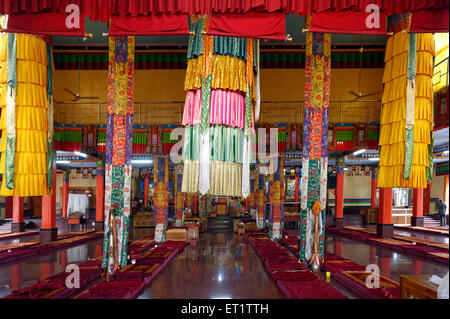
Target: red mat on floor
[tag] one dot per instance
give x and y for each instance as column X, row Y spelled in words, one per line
column 429, row 229
column 54, row 287
column 33, row 248
column 353, row 276
column 10, row 235
column 130, row 280
column 294, row 279
column 425, row 249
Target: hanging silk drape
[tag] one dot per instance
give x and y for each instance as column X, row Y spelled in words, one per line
column 218, row 113
column 179, row 196
column 27, row 115
column 118, row 166
column 315, row 148
column 407, row 111
column 161, row 191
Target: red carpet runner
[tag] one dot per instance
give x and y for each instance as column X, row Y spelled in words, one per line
column 131, row 280
column 11, row 235
column 13, row 252
column 54, row 287
column 404, row 244
column 295, row 280
column 350, row 274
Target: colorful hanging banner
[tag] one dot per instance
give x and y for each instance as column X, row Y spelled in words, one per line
column 179, row 196
column 315, row 148
column 161, row 191
column 118, row 152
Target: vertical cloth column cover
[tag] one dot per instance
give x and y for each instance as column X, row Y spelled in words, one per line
column 218, row 113
column 161, row 190
column 26, row 99
column 315, row 146
column 118, row 152
column 260, row 198
column 276, row 197
column 407, row 112
column 179, row 196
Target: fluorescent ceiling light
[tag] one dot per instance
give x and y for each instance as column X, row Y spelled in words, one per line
column 62, row 162
column 142, row 161
column 374, row 159
column 80, row 154
column 345, row 168
column 359, row 152
column 445, row 153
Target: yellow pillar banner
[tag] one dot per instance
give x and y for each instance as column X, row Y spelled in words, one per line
column 30, row 174
column 394, row 112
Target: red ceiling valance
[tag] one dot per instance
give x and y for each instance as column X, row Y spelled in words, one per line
column 102, row 10
column 164, row 24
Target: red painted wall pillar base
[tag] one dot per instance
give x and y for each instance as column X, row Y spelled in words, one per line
column 18, row 224
column 385, row 228
column 417, row 217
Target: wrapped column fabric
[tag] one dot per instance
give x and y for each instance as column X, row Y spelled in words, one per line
column 179, row 196
column 26, row 101
column 161, row 191
column 218, row 113
column 118, row 166
column 407, row 111
column 315, row 148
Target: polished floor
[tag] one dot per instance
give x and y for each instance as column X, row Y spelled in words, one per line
column 219, row 266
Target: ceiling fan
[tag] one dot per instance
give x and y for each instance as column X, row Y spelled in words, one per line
column 77, row 96
column 359, row 95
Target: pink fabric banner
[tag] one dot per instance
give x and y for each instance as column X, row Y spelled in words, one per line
column 226, row 108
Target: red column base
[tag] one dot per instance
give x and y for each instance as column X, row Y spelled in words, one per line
column 18, row 227
column 385, row 230
column 417, row 221
column 99, row 226
column 339, row 222
column 48, row 235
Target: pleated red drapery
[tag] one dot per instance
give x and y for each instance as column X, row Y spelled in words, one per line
column 48, row 23
column 258, row 25
column 429, row 21
column 150, row 25
column 349, row 22
column 102, row 10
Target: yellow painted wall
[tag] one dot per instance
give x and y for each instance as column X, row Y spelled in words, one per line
column 167, row 86
column 355, row 187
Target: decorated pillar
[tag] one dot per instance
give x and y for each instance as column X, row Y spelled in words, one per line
column 315, row 148
column 417, row 217
column 373, row 190
column 161, row 195
column 195, row 200
column 18, row 224
column 339, row 195
column 276, row 196
column 48, row 231
column 252, row 202
column 145, row 191
column 118, row 166
column 100, row 197
column 261, row 198
column 218, row 113
column 179, row 196
column 65, row 194
column 297, row 188
column 385, row 228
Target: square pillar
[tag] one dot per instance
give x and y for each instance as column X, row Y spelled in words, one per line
column 339, row 198
column 100, row 198
column 48, row 231
column 385, row 228
column 373, row 191
column 18, row 224
column 417, row 217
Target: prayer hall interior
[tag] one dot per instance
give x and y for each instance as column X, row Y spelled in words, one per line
column 222, row 149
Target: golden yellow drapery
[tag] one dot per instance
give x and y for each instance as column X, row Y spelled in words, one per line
column 31, row 116
column 393, row 114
